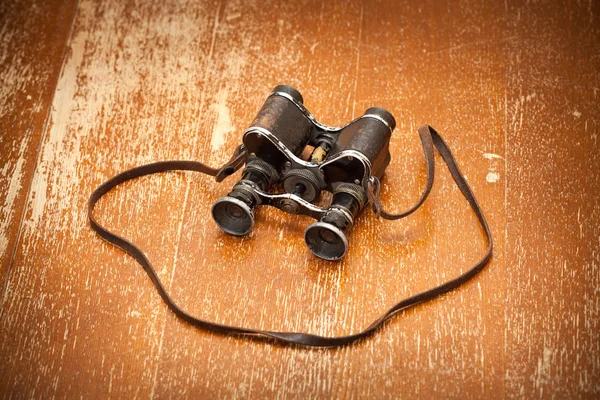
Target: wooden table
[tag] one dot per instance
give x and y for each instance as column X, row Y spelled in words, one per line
column 90, row 89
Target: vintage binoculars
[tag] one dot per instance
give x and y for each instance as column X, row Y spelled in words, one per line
column 286, row 147
column 338, row 160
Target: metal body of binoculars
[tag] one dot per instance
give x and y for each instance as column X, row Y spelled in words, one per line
column 341, row 161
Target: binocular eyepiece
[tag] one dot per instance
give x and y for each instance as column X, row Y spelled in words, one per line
column 342, row 161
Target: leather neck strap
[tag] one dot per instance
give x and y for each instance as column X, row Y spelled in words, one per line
column 429, row 139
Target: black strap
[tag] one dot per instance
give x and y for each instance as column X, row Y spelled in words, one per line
column 429, row 138
column 426, row 133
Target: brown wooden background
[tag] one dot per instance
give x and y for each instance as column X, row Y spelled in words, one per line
column 88, row 89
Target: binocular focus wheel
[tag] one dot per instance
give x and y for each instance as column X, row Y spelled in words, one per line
column 326, row 241
column 233, row 216
column 306, row 179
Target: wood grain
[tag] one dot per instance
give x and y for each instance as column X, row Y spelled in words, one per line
column 552, row 137
column 512, row 87
column 34, row 40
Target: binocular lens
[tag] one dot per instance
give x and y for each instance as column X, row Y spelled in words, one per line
column 233, row 216
column 326, row 241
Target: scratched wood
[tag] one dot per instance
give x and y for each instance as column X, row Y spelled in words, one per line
column 513, row 89
column 34, row 39
column 553, row 346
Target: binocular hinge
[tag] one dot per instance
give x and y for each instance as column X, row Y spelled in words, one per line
column 291, row 204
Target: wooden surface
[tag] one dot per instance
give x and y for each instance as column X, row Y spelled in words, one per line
column 90, row 89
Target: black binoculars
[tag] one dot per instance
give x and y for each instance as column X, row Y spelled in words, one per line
column 286, row 145
column 341, row 161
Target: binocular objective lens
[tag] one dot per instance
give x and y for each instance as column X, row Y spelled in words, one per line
column 235, row 211
column 326, row 241
column 233, row 216
column 328, row 236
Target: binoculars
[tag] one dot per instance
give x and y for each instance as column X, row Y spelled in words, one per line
column 286, row 146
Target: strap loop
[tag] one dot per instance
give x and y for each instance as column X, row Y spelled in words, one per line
column 429, row 138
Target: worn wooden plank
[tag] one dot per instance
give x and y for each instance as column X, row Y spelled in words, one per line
column 34, row 39
column 149, row 80
column 553, row 203
column 131, row 75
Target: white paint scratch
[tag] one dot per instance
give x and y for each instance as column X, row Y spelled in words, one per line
column 492, row 156
column 232, row 17
column 492, row 177
column 14, row 186
column 223, row 121
column 543, row 371
column 56, row 147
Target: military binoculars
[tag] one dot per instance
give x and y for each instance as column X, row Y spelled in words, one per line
column 286, row 146
column 289, row 159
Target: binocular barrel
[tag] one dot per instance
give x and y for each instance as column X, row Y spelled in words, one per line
column 326, row 238
column 342, row 161
column 234, row 214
